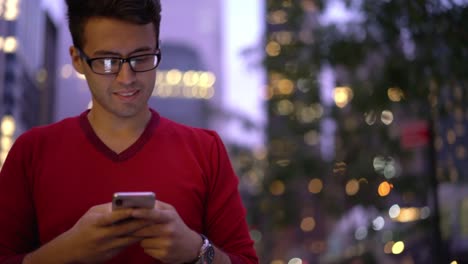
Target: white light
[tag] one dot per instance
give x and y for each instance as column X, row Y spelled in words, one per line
column 379, row 163
column 361, row 233
column 8, row 126
column 256, row 235
column 387, row 117
column 10, row 45
column 11, row 10
column 394, row 211
column 295, row 261
column 173, row 77
column 67, row 71
column 6, row 143
column 370, row 118
column 390, row 170
column 378, row 223
column 3, row 156
column 425, row 212
column 207, row 79
column 11, row 14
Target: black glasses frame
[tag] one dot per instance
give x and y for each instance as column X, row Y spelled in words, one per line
column 89, row 61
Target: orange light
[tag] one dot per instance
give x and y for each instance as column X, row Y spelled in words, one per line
column 385, row 188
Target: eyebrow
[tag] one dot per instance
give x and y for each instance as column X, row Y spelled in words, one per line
column 116, row 54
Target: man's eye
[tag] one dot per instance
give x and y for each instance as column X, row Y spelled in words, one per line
column 142, row 59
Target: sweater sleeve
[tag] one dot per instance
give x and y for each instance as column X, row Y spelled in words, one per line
column 17, row 216
column 225, row 221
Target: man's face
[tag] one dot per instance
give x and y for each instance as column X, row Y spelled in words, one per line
column 126, row 93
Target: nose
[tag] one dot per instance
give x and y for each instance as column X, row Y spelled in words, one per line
column 126, row 75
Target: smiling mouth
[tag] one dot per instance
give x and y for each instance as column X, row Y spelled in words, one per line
column 127, row 94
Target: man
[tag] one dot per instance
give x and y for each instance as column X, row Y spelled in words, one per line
column 58, row 180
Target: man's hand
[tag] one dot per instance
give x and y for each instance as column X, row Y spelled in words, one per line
column 168, row 239
column 97, row 236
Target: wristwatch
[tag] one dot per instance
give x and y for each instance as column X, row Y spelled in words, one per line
column 206, row 255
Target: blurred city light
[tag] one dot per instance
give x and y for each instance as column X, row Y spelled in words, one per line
column 378, row 223
column 308, row 224
column 6, row 142
column 408, row 215
column 342, row 96
column 277, row 261
column 315, row 186
column 188, row 84
column 285, row 87
column 173, row 77
column 66, row 71
column 352, row 187
column 8, row 125
column 10, row 45
column 273, row 49
column 312, row 138
column 41, row 76
column 11, row 11
column 388, row 247
column 360, row 233
column 285, row 107
column 370, row 118
column 384, row 188
column 395, row 94
column 398, row 247
column 256, row 235
column 277, row 188
column 394, row 211
column 295, row 261
column 425, row 212
column 387, row 117
column 278, row 17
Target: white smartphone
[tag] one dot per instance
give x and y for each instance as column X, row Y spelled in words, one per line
column 133, row 200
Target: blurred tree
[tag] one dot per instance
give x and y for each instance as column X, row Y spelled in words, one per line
column 392, row 64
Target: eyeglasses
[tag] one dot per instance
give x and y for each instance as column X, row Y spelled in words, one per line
column 112, row 65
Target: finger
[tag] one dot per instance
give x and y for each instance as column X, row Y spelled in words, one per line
column 156, row 215
column 156, row 253
column 155, row 243
column 128, row 228
column 153, row 230
column 163, row 206
column 106, row 219
column 102, row 208
column 121, row 242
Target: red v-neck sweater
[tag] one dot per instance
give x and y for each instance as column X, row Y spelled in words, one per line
column 55, row 173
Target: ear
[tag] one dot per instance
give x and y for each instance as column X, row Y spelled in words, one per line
column 77, row 61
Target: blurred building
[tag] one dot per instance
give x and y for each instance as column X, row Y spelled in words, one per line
column 28, row 57
column 201, row 48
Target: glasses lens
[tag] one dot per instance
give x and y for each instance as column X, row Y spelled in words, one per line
column 106, row 65
column 144, row 62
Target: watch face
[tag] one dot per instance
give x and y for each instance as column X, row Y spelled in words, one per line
column 210, row 255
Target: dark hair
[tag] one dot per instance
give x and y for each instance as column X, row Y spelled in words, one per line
column 134, row 11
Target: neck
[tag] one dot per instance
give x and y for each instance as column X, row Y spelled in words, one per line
column 106, row 123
